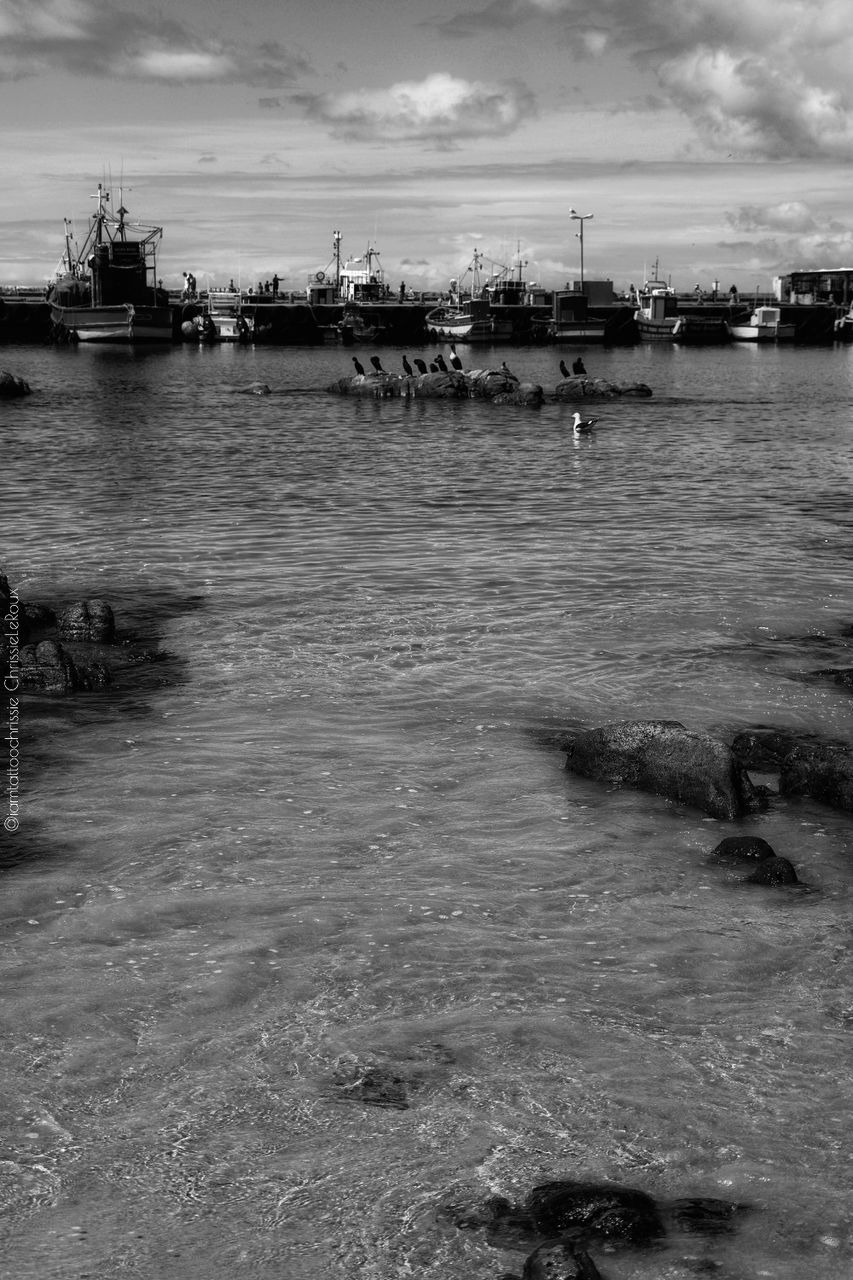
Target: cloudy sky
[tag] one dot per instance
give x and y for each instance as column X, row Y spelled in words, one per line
column 713, row 135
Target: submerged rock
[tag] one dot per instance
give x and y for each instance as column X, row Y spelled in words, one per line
column 664, row 757
column 584, row 388
column 772, row 871
column 90, row 620
column 11, row 387
column 823, row 772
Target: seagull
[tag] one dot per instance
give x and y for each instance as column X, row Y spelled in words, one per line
column 377, row 364
column 454, row 358
column 359, row 368
column 583, row 426
column 439, row 360
column 407, row 367
column 564, row 369
column 420, row 365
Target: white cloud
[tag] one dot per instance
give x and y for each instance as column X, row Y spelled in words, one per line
column 441, row 108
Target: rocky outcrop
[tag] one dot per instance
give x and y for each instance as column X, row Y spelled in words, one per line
column 11, row 388
column 88, row 620
column 47, row 667
column 664, row 757
column 806, row 764
column 754, row 851
column 584, row 388
column 477, row 384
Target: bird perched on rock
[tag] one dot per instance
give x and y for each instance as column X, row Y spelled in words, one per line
column 507, row 372
column 407, row 368
column 433, row 367
column 441, row 363
column 578, row 366
column 377, row 364
column 420, row 365
column 583, row 426
column 359, row 368
column 564, row 369
column 454, row 358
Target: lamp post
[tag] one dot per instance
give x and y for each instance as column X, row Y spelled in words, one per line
column 581, row 218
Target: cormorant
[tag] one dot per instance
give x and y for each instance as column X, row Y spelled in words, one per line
column 578, row 366
column 564, row 369
column 507, row 371
column 454, row 358
column 420, row 365
column 433, row 368
column 407, row 367
column 440, row 362
column 377, row 364
column 359, row 368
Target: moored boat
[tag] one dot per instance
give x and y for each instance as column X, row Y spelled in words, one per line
column 698, row 330
column 223, row 318
column 469, row 317
column 656, row 314
column 107, row 291
column 764, row 325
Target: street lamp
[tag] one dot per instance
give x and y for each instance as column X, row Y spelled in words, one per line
column 581, row 218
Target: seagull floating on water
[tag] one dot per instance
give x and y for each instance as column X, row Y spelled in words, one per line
column 359, row 368
column 583, row 426
column 407, row 368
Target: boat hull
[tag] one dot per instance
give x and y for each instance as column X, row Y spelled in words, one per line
column 700, row 331
column 123, row 323
column 656, row 330
column 763, row 332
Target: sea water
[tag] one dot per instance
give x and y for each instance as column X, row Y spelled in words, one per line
column 331, row 838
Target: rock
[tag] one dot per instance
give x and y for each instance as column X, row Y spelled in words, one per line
column 581, row 388
column 764, row 749
column 48, row 668
column 35, row 617
column 556, row 1260
column 823, row 772
column 664, row 757
column 743, row 848
column 255, row 389
column 597, row 1210
column 90, row 620
column 11, row 388
column 376, row 1085
column 839, row 675
column 773, row 871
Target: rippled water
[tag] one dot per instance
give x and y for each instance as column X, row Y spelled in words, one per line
column 336, row 843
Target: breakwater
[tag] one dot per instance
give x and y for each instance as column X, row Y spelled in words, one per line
column 24, row 319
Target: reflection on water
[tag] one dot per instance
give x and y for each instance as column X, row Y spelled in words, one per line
column 336, row 843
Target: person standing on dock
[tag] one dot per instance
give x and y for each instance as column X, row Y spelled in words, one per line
column 275, row 283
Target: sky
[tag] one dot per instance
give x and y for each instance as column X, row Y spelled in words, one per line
column 714, row 137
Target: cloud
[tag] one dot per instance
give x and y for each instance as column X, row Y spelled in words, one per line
column 766, row 79
column 788, row 235
column 790, row 216
column 95, row 38
column 439, row 109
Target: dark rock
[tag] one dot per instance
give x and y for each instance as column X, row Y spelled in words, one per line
column 35, row 618
column 764, row 749
column 594, row 1210
column 664, row 757
column 48, row 668
column 743, row 848
column 90, row 620
column 11, row 388
column 585, row 388
column 824, row 773
column 773, row 871
column 557, row 1260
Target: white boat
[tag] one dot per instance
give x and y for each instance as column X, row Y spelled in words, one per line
column 765, row 325
column 657, row 310
column 223, row 318
column 107, row 291
column 469, row 318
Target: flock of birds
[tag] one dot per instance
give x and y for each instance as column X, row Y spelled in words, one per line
column 580, row 426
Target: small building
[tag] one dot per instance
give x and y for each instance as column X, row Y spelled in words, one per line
column 832, row 285
column 599, row 293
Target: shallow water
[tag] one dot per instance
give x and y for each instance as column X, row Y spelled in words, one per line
column 337, row 840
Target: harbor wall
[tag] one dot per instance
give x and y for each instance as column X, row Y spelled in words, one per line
column 298, row 323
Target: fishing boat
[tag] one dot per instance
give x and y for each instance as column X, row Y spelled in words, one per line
column 470, row 318
column 223, row 318
column 107, row 291
column 570, row 320
column 656, row 314
column 764, row 325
